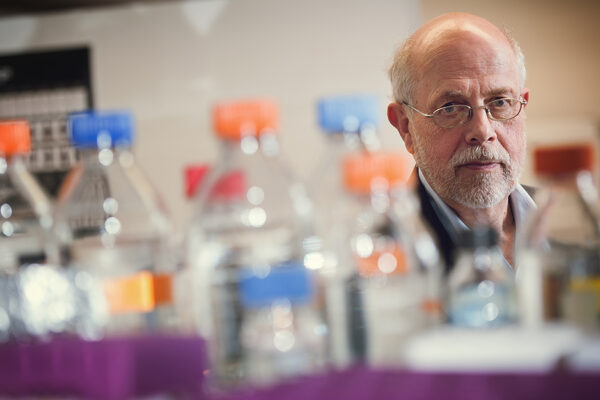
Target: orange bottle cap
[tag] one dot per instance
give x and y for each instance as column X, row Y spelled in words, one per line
column 362, row 170
column 563, row 159
column 15, row 137
column 234, row 120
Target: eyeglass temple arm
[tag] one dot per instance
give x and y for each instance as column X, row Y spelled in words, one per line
column 414, row 109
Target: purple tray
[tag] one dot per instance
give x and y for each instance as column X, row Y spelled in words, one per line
column 108, row 369
column 365, row 384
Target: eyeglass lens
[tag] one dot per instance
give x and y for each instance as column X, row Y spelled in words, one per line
column 454, row 115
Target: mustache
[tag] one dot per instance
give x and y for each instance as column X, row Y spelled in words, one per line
column 481, row 154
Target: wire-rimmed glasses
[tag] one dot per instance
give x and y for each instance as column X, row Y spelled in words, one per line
column 502, row 109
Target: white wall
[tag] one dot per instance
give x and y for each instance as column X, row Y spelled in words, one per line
column 169, row 62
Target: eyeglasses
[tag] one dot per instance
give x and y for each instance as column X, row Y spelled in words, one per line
column 454, row 115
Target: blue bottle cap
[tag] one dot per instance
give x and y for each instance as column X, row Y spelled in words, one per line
column 103, row 129
column 290, row 282
column 349, row 113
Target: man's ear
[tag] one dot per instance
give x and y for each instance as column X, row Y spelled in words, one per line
column 525, row 95
column 397, row 116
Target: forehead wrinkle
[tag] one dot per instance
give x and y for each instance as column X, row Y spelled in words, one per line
column 441, row 93
column 447, row 56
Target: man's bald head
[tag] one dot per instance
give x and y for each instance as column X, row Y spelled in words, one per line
column 440, row 35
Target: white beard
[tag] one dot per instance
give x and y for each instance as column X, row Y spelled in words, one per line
column 480, row 190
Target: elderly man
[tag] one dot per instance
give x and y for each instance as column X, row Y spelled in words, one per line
column 459, row 94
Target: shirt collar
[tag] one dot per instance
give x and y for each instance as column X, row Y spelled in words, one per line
column 521, row 203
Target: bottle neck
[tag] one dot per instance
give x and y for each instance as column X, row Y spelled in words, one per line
column 7, row 159
column 266, row 144
column 342, row 143
column 95, row 157
column 378, row 200
column 482, row 258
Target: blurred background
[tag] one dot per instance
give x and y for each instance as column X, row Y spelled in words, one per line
column 170, row 61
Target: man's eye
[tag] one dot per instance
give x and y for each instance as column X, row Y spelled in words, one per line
column 501, row 103
column 449, row 108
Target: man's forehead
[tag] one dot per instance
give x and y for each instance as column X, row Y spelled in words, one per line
column 500, row 82
column 450, row 23
column 453, row 56
column 465, row 49
column 490, row 91
column 446, row 36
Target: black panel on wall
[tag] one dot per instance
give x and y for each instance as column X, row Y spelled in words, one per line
column 44, row 87
column 48, row 69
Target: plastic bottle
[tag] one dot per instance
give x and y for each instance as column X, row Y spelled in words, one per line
column 246, row 217
column 282, row 334
column 116, row 226
column 25, row 209
column 385, row 284
column 481, row 289
column 36, row 300
column 558, row 262
column 349, row 124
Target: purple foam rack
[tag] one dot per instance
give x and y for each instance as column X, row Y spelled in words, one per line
column 365, row 384
column 116, row 368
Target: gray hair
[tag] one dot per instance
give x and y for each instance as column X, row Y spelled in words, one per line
column 401, row 72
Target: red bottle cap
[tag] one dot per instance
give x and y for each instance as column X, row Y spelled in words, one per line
column 563, row 159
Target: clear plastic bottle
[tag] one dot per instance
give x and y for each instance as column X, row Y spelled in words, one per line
column 246, row 217
column 558, row 261
column 481, row 288
column 349, row 124
column 116, row 226
column 386, row 286
column 36, row 300
column 25, row 209
column 282, row 334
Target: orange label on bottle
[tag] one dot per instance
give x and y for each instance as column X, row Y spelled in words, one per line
column 163, row 289
column 140, row 292
column 391, row 261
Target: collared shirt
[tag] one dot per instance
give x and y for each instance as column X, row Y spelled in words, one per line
column 522, row 204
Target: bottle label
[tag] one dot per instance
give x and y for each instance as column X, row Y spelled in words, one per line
column 142, row 292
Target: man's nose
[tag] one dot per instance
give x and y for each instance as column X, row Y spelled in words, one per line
column 479, row 129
